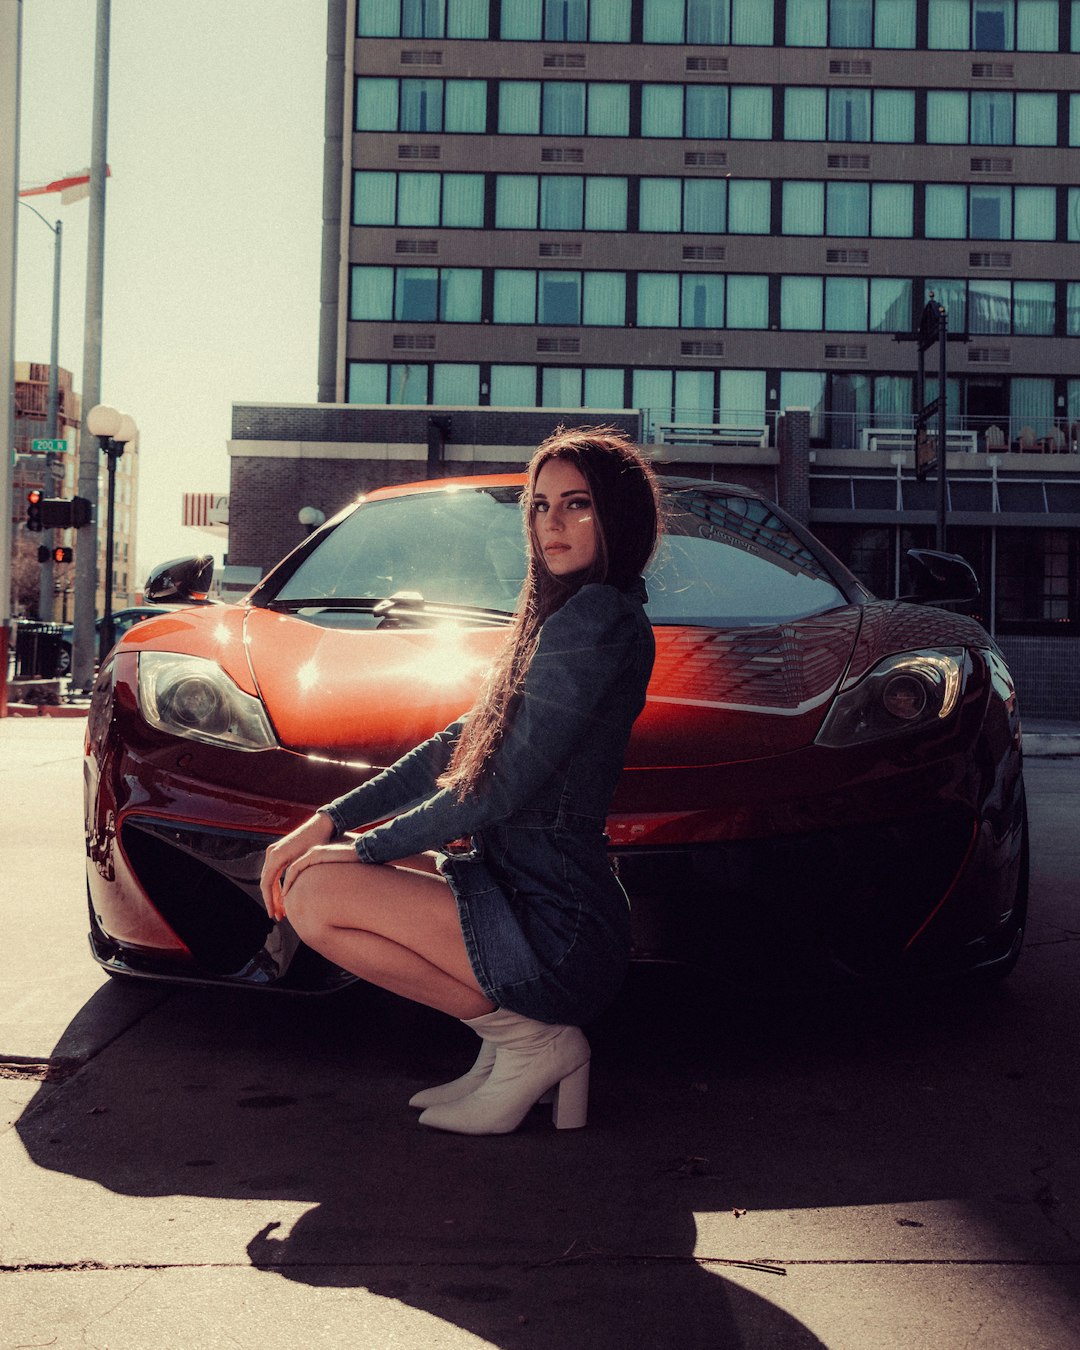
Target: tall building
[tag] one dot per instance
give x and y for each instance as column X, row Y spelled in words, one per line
column 710, row 211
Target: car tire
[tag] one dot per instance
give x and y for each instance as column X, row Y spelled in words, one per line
column 1013, row 939
column 63, row 660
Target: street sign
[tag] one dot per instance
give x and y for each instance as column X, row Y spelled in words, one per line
column 47, row 447
column 931, row 408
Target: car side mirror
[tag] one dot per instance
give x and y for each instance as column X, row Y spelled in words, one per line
column 184, row 581
column 941, row 578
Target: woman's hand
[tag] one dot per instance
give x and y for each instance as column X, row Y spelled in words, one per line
column 317, row 831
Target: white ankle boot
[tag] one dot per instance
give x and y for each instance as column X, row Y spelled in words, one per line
column 460, row 1087
column 530, row 1058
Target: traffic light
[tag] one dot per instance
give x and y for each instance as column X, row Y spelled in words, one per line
column 62, row 555
column 33, row 510
column 80, row 512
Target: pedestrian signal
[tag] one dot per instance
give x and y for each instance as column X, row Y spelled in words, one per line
column 62, row 555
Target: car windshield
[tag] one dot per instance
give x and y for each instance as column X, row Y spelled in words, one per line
column 725, row 558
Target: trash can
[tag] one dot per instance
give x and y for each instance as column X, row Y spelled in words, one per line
column 38, row 648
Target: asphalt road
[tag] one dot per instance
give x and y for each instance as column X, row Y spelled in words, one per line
column 189, row 1168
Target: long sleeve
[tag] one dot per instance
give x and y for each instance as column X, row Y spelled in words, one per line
column 407, row 781
column 582, row 650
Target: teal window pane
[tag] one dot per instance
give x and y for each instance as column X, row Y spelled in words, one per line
column 892, row 210
column 890, row 305
column 1035, row 211
column 949, row 25
column 804, row 389
column 806, row 23
column 423, row 18
column 416, row 296
column 378, row 18
column 367, row 382
column 694, row 398
column 1036, row 119
column 1074, row 119
column 894, row 116
column 609, row 110
column 374, row 198
column 702, row 301
column 749, row 206
column 561, row 202
column 804, row 114
column 657, row 300
column 565, row 20
column 371, row 293
column 845, row 304
column 514, row 298
column 516, row 196
column 947, row 117
column 802, row 207
column 946, row 211
column 659, row 204
column 707, row 111
column 563, row 108
column 376, row 104
column 993, row 25
column 989, row 306
column 605, row 203
column 652, row 393
column 1073, row 216
column 847, row 209
column 707, row 22
column 609, row 21
column 751, row 23
column 421, row 105
column 849, row 115
column 559, row 297
column 603, row 388
column 521, row 21
column 456, row 383
column 408, row 384
column 892, row 398
column 418, row 199
column 952, row 293
column 851, row 23
column 704, row 205
column 466, row 105
column 1072, row 309
column 560, row 387
column 751, row 114
column 1074, row 28
column 991, row 118
column 459, row 294
column 742, row 398
column 519, row 107
column 1033, row 307
column 894, row 23
column 990, row 212
column 513, row 386
column 801, row 303
column 467, row 19
column 604, row 299
column 747, row 301
column 463, row 200
column 662, row 21
column 661, row 110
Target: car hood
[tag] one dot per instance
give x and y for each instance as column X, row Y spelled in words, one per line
column 368, row 696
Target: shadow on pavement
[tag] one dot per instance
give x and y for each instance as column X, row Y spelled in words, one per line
column 700, row 1108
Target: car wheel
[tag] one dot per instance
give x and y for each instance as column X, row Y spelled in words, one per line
column 63, row 660
column 1013, row 938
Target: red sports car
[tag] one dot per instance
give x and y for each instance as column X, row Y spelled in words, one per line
column 821, row 780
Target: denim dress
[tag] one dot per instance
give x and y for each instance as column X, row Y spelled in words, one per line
column 545, row 921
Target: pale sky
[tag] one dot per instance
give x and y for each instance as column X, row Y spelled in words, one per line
column 212, row 224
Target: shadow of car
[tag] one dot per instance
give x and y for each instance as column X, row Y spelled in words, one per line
column 823, row 783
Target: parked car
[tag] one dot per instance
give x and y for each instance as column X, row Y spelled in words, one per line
column 123, row 619
column 821, row 782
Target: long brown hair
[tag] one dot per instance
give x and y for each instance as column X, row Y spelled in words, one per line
column 626, row 508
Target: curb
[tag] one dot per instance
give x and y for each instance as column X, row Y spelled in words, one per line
column 46, row 710
column 1050, row 745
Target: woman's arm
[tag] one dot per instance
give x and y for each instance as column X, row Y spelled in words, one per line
column 583, row 649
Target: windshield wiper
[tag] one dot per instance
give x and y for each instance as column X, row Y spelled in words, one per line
column 400, row 606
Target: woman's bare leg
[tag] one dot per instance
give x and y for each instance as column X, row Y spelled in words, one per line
column 393, row 927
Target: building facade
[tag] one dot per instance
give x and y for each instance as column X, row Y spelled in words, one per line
column 711, row 211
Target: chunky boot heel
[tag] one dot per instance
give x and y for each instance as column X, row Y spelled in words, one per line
column 571, row 1107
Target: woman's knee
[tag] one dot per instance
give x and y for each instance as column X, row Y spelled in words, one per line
column 305, row 903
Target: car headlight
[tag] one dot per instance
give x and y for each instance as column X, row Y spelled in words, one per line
column 908, row 692
column 190, row 696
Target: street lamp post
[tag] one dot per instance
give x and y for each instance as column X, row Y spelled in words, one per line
column 114, row 430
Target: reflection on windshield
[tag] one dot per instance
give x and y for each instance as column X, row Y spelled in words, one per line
column 725, row 559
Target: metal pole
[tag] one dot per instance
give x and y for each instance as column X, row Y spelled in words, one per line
column 113, row 449
column 942, row 475
column 83, row 653
column 46, row 599
column 10, row 60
